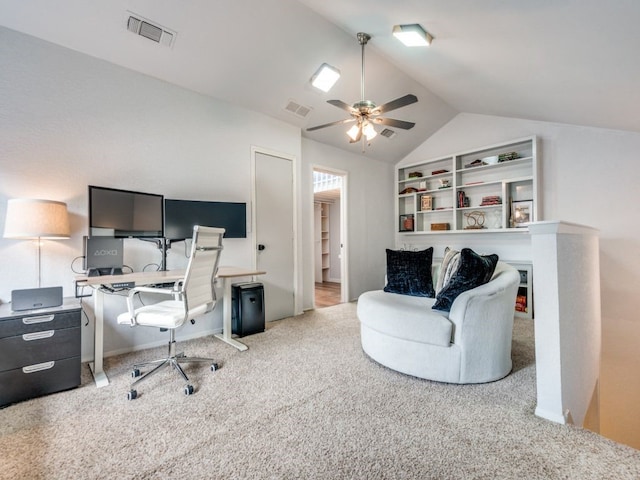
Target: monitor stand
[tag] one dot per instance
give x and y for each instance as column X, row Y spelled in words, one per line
column 163, row 244
column 97, row 272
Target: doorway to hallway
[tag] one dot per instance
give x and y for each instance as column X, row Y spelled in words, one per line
column 329, row 207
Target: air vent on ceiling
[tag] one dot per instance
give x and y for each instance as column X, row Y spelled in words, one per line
column 141, row 26
column 388, row 133
column 297, row 109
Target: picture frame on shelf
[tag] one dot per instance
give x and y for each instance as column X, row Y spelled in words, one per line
column 406, row 223
column 426, row 202
column 521, row 213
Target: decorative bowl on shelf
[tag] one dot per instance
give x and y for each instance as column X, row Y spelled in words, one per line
column 492, row 160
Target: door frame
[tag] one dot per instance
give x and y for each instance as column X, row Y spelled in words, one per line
column 344, row 224
column 294, row 189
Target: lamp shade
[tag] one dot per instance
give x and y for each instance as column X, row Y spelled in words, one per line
column 27, row 218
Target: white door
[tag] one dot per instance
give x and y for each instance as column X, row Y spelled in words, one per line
column 274, row 232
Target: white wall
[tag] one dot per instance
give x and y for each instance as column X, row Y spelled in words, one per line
column 69, row 120
column 589, row 176
column 369, row 210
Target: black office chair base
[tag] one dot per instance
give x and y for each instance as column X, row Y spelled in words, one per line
column 174, row 360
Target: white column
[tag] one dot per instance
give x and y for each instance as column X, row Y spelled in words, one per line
column 566, row 285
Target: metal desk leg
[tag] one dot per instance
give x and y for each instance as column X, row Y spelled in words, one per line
column 99, row 376
column 225, row 336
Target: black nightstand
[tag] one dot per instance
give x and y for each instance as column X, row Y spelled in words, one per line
column 39, row 351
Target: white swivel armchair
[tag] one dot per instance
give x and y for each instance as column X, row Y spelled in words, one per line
column 191, row 297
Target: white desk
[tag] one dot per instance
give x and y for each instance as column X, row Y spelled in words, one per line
column 147, row 278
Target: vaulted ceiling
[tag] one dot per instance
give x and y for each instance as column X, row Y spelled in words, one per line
column 566, row 61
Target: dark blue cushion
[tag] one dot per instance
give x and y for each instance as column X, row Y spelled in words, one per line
column 409, row 273
column 473, row 270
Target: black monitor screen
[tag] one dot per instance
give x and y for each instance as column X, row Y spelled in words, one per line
column 124, row 214
column 181, row 215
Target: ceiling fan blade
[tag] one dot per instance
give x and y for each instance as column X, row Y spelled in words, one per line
column 338, row 122
column 343, row 106
column 392, row 122
column 393, row 104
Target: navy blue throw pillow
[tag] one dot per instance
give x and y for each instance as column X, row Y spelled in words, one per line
column 409, row 273
column 473, row 270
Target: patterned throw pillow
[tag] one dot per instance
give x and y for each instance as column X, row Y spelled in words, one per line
column 474, row 270
column 409, row 273
column 449, row 266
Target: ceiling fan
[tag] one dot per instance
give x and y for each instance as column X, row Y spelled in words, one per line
column 365, row 113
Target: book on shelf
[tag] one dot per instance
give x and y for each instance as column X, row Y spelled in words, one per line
column 491, row 200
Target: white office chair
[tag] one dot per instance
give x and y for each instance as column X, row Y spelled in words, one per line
column 193, row 296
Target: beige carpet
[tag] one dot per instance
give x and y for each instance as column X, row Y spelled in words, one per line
column 304, row 402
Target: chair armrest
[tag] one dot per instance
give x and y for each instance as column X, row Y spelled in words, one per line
column 483, row 310
column 164, row 291
column 134, row 291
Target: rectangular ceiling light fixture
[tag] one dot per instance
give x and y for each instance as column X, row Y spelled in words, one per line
column 325, row 77
column 412, row 35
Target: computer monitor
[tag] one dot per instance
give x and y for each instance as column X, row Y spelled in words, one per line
column 181, row 215
column 125, row 214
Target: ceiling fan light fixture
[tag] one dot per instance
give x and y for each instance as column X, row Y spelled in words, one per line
column 353, row 132
column 369, row 132
column 412, row 35
column 366, row 113
column 325, row 77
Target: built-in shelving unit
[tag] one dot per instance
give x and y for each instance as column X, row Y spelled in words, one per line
column 524, row 298
column 325, row 240
column 489, row 189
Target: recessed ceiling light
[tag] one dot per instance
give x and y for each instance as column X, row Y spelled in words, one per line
column 412, row 35
column 325, row 77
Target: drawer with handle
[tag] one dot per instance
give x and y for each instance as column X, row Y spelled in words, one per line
column 35, row 322
column 38, row 379
column 38, row 347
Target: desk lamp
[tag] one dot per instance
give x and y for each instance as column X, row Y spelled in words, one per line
column 36, row 219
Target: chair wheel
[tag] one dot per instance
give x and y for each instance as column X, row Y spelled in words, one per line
column 132, row 394
column 135, row 373
column 214, row 367
column 188, row 390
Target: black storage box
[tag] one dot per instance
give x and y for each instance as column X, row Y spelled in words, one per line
column 247, row 308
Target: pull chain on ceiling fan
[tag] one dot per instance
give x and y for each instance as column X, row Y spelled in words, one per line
column 365, row 113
